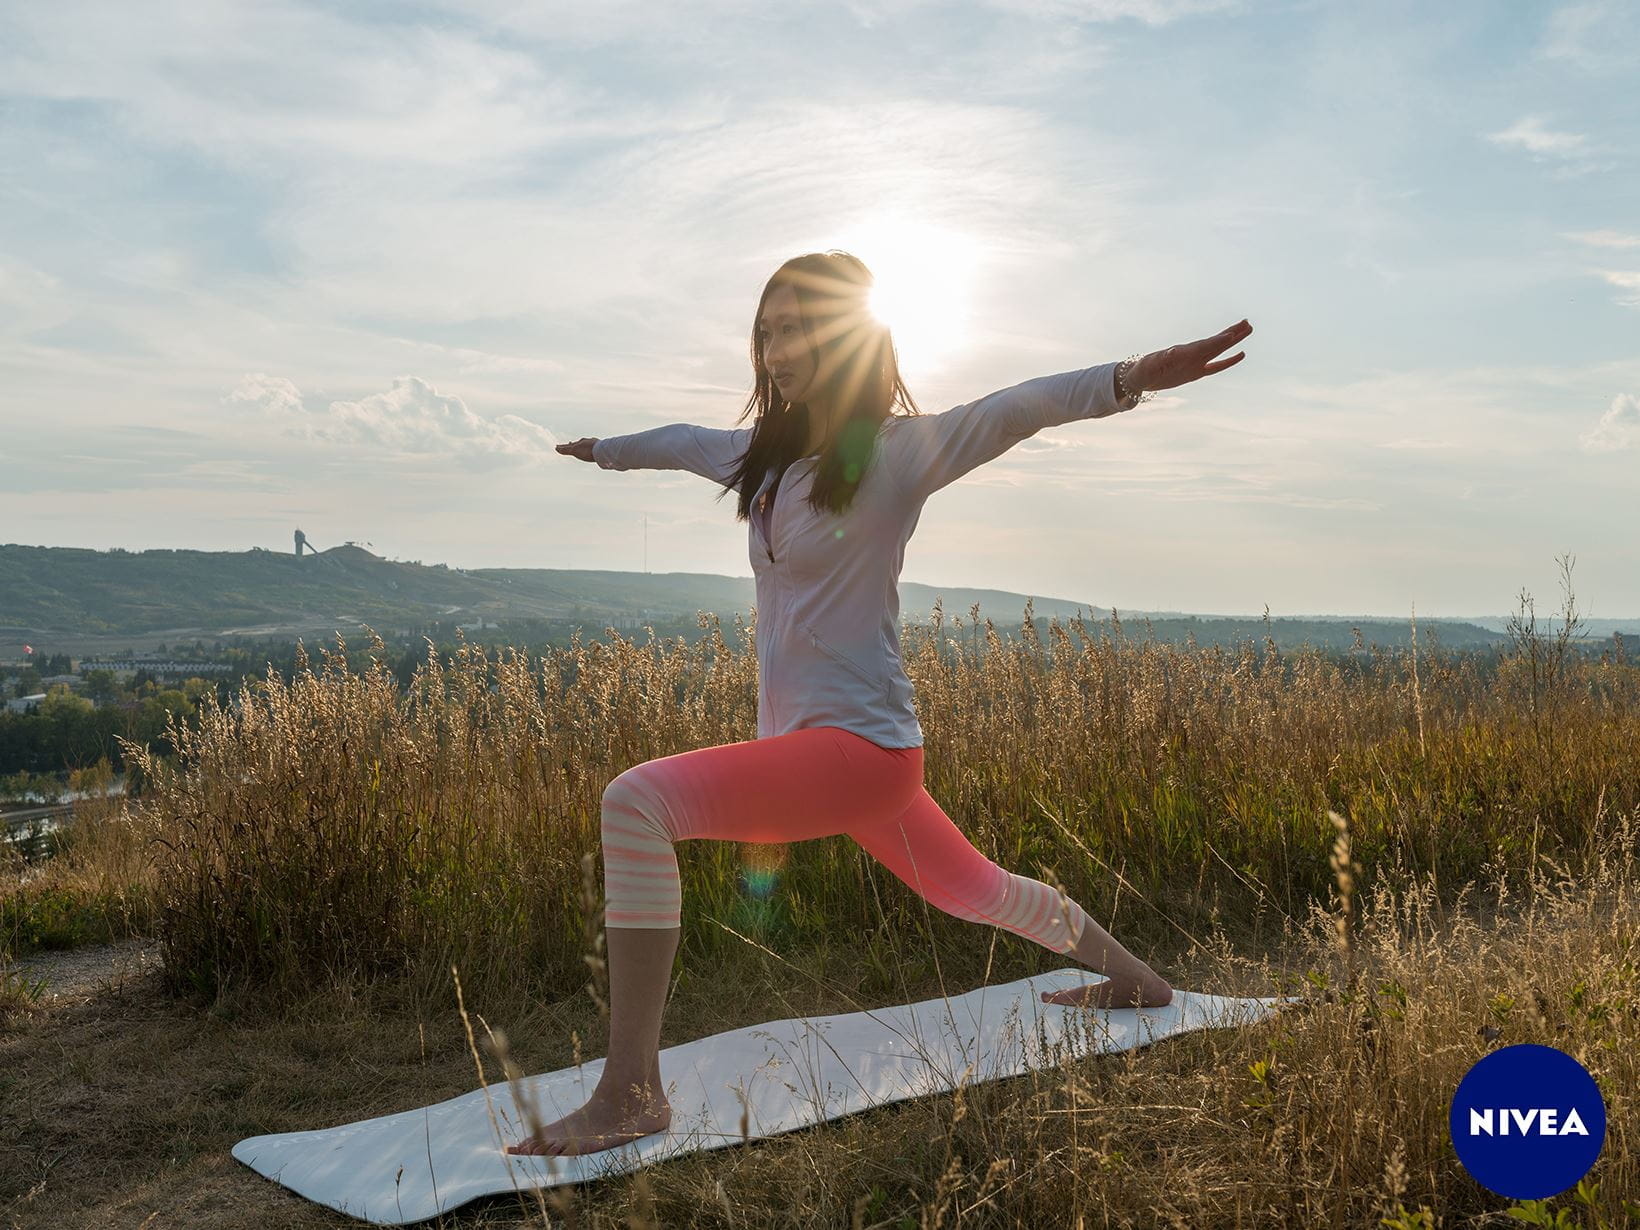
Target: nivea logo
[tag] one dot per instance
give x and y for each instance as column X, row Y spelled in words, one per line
column 1527, row 1121
column 1539, row 1119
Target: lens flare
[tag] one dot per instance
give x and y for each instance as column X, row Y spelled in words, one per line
column 760, row 871
column 922, row 276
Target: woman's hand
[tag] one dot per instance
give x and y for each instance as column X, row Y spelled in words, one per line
column 1167, row 369
column 581, row 448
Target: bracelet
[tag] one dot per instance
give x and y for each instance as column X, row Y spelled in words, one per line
column 1127, row 398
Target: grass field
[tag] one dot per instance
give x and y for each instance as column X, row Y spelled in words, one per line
column 1437, row 851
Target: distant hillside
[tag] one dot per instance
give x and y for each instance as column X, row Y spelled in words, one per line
column 55, row 593
column 75, row 590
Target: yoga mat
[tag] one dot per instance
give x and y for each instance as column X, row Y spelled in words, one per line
column 781, row 1076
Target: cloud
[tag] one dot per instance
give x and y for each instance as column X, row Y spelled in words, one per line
column 411, row 420
column 1565, row 153
column 1624, row 280
column 271, row 395
column 1593, row 37
column 1619, row 427
column 421, row 97
column 1532, row 136
column 1151, row 12
column 91, row 333
column 1604, row 238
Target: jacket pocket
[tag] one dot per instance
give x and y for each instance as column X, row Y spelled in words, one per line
column 845, row 661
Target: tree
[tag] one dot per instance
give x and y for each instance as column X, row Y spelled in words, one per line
column 101, row 685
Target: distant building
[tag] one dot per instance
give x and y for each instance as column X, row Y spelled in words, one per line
column 25, row 704
column 643, row 619
column 166, row 668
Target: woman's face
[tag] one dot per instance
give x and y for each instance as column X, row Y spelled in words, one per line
column 784, row 344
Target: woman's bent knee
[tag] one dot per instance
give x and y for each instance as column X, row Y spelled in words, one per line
column 634, row 800
column 641, row 883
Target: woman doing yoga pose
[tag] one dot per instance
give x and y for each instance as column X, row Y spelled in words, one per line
column 832, row 483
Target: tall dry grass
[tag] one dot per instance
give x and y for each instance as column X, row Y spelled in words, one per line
column 327, row 826
column 1438, row 852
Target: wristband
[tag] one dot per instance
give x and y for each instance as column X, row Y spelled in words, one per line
column 1126, row 397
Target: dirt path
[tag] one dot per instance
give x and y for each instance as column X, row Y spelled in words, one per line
column 80, row 973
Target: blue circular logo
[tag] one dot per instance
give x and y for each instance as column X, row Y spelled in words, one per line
column 1527, row 1121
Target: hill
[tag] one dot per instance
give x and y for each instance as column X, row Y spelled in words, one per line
column 61, row 594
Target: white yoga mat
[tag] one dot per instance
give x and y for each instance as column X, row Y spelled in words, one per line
column 793, row 1073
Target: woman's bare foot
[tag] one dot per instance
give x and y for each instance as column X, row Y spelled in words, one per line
column 1129, row 982
column 1114, row 993
column 603, row 1123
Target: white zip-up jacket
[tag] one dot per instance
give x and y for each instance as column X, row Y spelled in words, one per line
column 828, row 599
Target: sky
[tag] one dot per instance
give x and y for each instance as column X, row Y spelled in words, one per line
column 358, row 268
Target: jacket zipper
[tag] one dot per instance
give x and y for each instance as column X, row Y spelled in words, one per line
column 814, row 637
column 766, row 528
column 772, row 505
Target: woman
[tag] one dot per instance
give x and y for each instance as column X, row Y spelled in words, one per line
column 832, row 483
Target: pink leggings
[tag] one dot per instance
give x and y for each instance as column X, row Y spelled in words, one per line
column 815, row 782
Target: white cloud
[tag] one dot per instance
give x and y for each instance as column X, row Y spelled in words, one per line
column 613, row 246
column 1624, row 280
column 411, row 420
column 1605, row 238
column 1594, row 37
column 1532, row 136
column 424, row 101
column 1619, row 427
column 1151, row 12
column 273, row 396
column 1565, row 154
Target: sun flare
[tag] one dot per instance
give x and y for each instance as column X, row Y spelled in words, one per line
column 922, row 278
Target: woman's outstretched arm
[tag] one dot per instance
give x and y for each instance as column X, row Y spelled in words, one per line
column 930, row 451
column 711, row 452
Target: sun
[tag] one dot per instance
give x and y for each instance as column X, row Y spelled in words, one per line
column 922, row 279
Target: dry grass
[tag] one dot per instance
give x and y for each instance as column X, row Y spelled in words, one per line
column 330, row 827
column 99, row 888
column 123, row 1108
column 1426, row 848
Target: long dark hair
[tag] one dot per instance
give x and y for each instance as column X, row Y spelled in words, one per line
column 833, row 290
